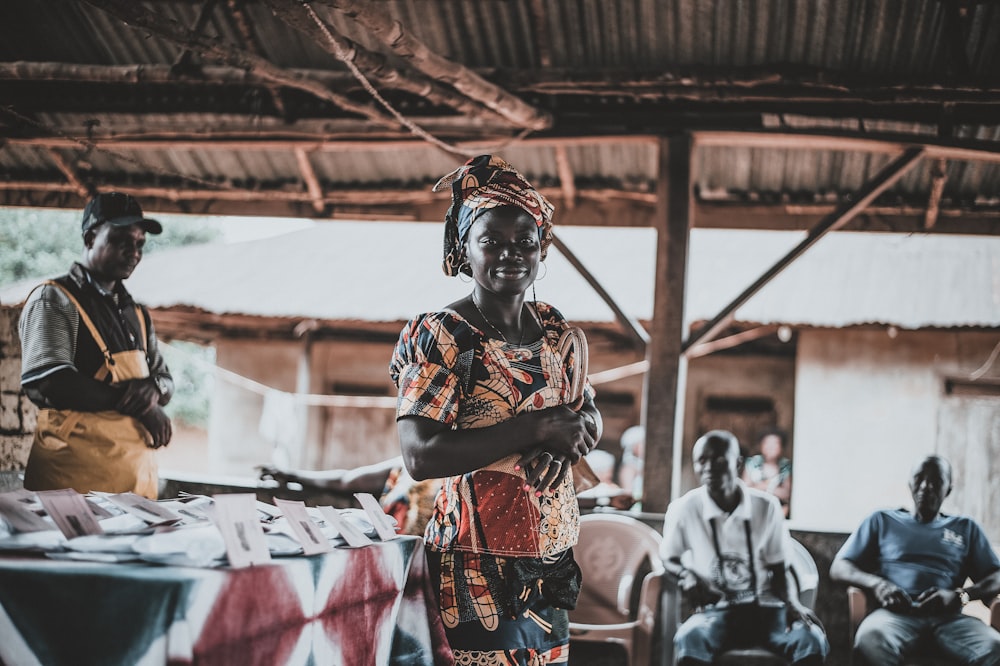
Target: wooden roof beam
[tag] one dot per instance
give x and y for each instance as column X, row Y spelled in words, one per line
column 640, row 337
column 184, row 59
column 70, row 173
column 391, row 33
column 868, row 142
column 253, row 46
column 939, row 175
column 882, row 181
column 567, row 182
column 311, row 181
column 134, row 14
column 540, row 28
column 376, row 66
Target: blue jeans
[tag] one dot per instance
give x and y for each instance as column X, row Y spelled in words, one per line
column 712, row 631
column 884, row 638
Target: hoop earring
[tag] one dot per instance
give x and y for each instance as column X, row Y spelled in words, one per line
column 464, row 277
column 542, row 276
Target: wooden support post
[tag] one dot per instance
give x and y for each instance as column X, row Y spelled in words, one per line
column 661, row 415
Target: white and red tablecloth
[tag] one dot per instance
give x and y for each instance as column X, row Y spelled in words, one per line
column 353, row 606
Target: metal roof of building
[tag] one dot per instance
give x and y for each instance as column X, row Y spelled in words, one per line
column 131, row 95
column 355, row 271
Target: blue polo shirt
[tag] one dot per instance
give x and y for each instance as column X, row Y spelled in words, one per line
column 916, row 556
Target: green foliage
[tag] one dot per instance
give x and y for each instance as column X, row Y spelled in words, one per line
column 43, row 242
column 191, row 367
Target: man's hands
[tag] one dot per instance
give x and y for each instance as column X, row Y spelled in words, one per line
column 142, row 400
column 698, row 591
column 795, row 611
column 157, row 423
column 140, row 396
column 931, row 601
column 892, row 597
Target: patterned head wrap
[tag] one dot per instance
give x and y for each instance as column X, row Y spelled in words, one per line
column 482, row 183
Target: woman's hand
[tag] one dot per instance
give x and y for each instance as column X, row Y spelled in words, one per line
column 562, row 432
column 566, row 437
column 543, row 470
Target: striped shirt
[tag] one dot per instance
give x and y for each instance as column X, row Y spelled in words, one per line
column 52, row 338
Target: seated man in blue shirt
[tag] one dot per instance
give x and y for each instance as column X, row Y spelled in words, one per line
column 915, row 566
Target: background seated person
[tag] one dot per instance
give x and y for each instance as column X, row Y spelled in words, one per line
column 770, row 470
column 633, row 443
column 914, row 565
column 734, row 538
column 409, row 502
column 607, row 492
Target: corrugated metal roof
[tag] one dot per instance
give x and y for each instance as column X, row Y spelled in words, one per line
column 390, row 272
column 881, row 47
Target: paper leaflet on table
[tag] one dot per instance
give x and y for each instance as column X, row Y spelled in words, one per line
column 15, row 508
column 351, row 534
column 384, row 525
column 306, row 531
column 143, row 508
column 70, row 512
column 236, row 517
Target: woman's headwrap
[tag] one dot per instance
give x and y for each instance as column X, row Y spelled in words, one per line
column 482, row 183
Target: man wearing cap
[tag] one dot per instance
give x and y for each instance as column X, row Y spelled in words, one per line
column 91, row 362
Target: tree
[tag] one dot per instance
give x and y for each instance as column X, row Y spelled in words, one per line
column 41, row 242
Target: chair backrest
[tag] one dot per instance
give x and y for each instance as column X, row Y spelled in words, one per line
column 803, row 573
column 614, row 553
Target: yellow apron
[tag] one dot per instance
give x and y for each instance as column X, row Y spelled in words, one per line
column 106, row 451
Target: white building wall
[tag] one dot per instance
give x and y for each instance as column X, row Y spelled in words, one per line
column 868, row 406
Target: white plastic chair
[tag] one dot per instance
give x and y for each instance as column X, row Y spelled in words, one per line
column 622, row 572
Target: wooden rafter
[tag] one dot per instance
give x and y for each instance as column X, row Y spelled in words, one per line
column 184, row 59
column 939, row 175
column 377, row 66
column 540, row 28
column 310, row 179
column 136, row 15
column 394, row 35
column 253, row 45
column 69, row 172
column 637, row 333
column 866, row 142
column 738, row 84
column 567, row 182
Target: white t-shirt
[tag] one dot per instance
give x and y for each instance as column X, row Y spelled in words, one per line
column 687, row 535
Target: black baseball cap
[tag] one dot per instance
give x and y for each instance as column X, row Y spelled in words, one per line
column 118, row 209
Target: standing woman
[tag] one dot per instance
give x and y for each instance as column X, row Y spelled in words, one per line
column 484, row 402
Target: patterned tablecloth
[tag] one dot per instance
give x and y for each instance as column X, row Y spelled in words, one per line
column 362, row 606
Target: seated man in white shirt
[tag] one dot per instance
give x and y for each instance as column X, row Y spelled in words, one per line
column 734, row 573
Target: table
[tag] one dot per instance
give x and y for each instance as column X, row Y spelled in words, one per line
column 370, row 605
